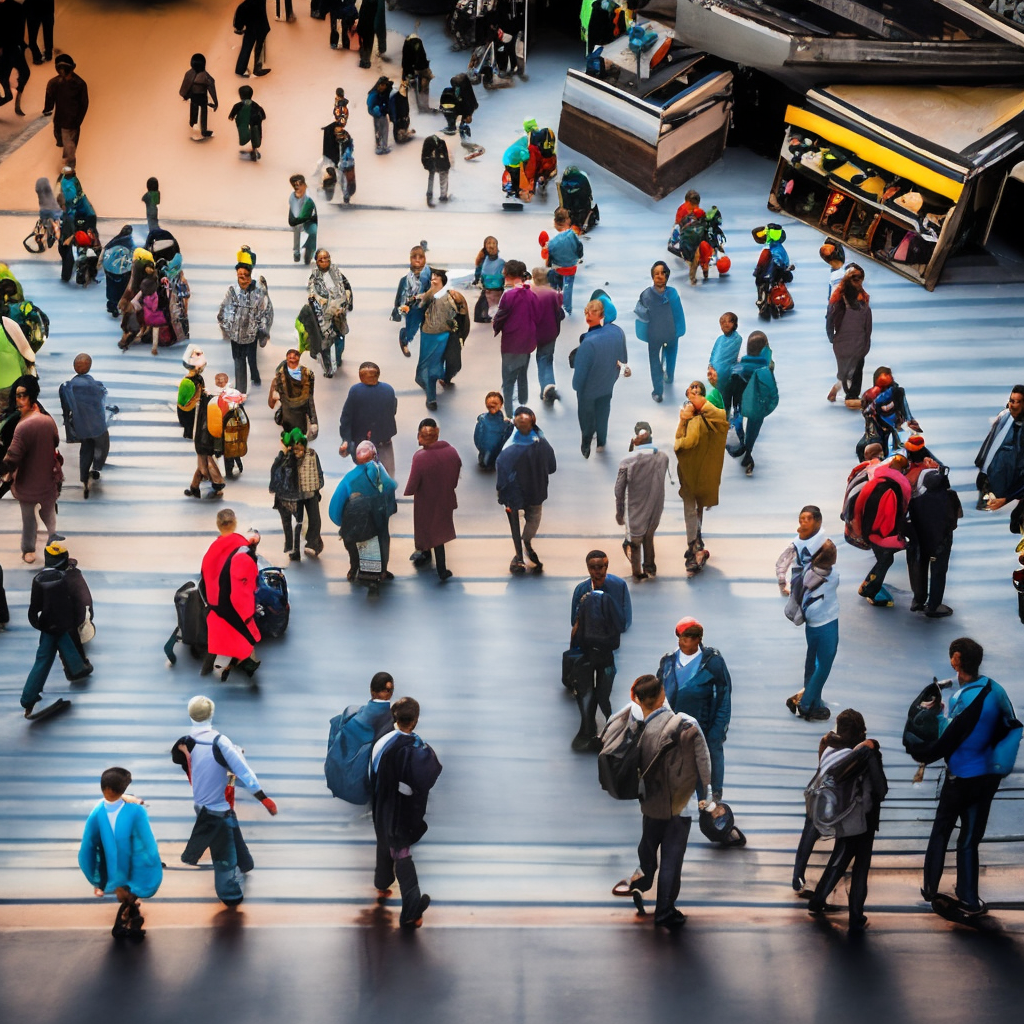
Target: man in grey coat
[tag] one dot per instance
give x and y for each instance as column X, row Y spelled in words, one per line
column 83, row 400
column 640, row 499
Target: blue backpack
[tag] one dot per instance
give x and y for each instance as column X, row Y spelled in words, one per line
column 761, row 395
column 347, row 767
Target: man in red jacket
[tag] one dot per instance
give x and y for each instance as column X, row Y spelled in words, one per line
column 231, row 595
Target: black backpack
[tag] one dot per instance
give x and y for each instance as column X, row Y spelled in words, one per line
column 56, row 609
column 599, row 624
column 618, row 764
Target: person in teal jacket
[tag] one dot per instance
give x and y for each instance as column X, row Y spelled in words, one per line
column 119, row 855
column 660, row 323
column 368, row 480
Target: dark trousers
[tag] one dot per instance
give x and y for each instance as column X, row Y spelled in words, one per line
column 849, row 848
column 968, row 802
column 67, row 260
column 92, row 455
column 884, row 557
column 747, row 431
column 592, row 685
column 198, row 109
column 852, row 385
column 71, row 653
column 804, row 848
column 219, row 832
column 252, row 45
column 309, row 509
column 13, row 59
column 921, row 566
column 39, row 13
column 242, row 355
column 593, row 416
column 384, row 869
column 645, row 544
column 115, row 285
column 341, row 37
column 670, row 838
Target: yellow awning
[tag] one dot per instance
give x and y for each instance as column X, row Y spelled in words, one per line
column 874, row 154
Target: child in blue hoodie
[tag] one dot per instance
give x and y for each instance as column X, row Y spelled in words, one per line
column 565, row 251
column 493, row 429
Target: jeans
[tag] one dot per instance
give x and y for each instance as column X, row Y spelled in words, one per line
column 592, row 686
column 513, row 377
column 852, row 385
column 219, row 832
column 243, row 354
column 884, row 557
column 380, row 133
column 29, row 527
column 822, row 644
column 747, row 430
column 69, row 146
column 115, row 285
column 593, row 417
column 310, row 247
column 967, row 801
column 670, row 837
column 430, row 366
column 562, row 283
column 662, row 359
column 531, row 524
column 442, row 177
column 49, row 644
column 546, row 366
column 413, row 322
column 848, row 848
column 92, row 455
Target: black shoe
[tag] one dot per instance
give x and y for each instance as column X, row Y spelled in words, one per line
column 445, row 576
column 982, row 505
column 259, row 73
column 420, row 910
column 821, row 714
column 294, row 556
column 432, row 406
column 585, row 449
column 192, row 492
column 939, row 611
column 256, row 381
column 917, row 606
column 582, row 744
column 672, row 921
column 532, row 556
column 420, row 558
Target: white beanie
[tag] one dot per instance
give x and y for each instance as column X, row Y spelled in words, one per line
column 200, row 709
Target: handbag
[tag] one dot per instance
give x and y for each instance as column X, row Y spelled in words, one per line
column 570, row 659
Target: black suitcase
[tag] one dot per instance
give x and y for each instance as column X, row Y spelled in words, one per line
column 190, row 607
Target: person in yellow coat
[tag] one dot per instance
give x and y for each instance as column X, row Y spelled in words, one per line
column 700, row 452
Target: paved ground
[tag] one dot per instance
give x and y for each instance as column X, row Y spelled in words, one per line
column 523, row 847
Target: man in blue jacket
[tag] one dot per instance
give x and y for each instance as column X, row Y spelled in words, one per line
column 83, row 402
column 601, row 354
column 982, row 758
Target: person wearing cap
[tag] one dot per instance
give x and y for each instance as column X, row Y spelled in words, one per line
column 675, row 766
column 231, row 616
column 67, row 98
column 1000, row 461
column 640, row 499
column 660, row 323
column 245, row 318
column 33, row 465
column 83, row 400
column 296, row 481
column 523, row 467
column 932, row 516
column 59, row 605
column 697, row 683
column 700, row 453
column 369, row 415
column 433, row 477
column 374, row 493
column 599, row 358
column 208, row 757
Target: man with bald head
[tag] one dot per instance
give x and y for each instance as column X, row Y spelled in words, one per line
column 83, row 401
column 369, row 415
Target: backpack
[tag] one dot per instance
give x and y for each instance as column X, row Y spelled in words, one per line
column 347, row 766
column 57, row 611
column 599, row 626
column 117, row 260
column 761, row 395
column 544, row 140
column 34, row 323
column 713, row 231
column 448, row 100
column 835, row 796
column 618, row 763
column 856, row 482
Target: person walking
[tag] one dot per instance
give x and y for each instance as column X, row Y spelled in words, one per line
column 302, row 219
column 640, row 499
column 372, row 21
column 600, row 612
column 522, row 468
column 515, row 321
column 438, row 318
column 660, row 323
column 369, row 415
column 674, row 764
column 978, row 757
column 39, row 14
column 848, row 326
column 351, row 739
column 855, row 834
column 549, row 317
column 83, row 400
column 753, row 395
column 17, row 358
column 32, row 463
column 12, row 53
column 435, row 159
column 199, row 90
column 1000, row 461
column 231, row 598
column 67, row 98
column 813, row 592
column 881, row 515
column 700, row 454
column 599, row 358
column 291, row 396
column 378, row 100
column 245, row 318
column 208, row 758
column 330, row 299
column 415, row 282
column 403, row 771
column 725, row 352
column 433, row 477
column 253, row 25
column 296, row 480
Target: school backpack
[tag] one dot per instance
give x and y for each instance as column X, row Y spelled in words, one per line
column 855, row 483
column 618, row 763
column 761, row 395
column 835, row 796
column 448, row 101
column 117, row 260
column 544, row 140
column 599, row 626
column 34, row 323
column 687, row 236
column 52, row 595
column 347, row 765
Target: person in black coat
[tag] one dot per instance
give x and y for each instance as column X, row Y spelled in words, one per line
column 253, row 25
column 403, row 770
column 372, row 21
